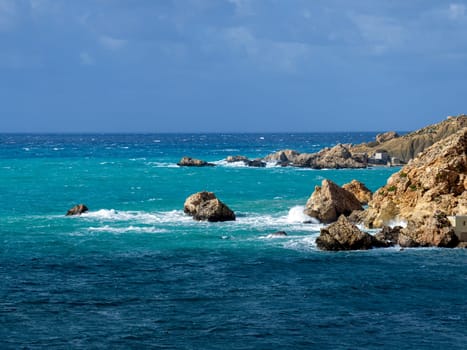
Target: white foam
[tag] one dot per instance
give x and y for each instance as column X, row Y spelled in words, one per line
column 296, row 215
column 223, row 162
column 128, row 229
column 174, row 216
column 397, row 222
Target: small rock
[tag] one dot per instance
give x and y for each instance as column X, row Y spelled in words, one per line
column 206, row 206
column 277, row 234
column 77, row 210
column 187, row 161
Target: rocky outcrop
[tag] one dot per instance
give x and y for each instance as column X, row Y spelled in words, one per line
column 236, row 159
column 206, row 206
column 330, row 201
column 336, row 157
column 343, row 235
column 435, row 230
column 389, row 235
column 408, row 146
column 187, row 161
column 387, row 136
column 359, row 190
column 436, row 180
column 77, row 210
column 256, row 163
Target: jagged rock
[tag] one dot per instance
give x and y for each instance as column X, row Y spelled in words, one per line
column 284, row 157
column 187, row 161
column 435, row 180
column 256, row 163
column 434, row 231
column 343, row 235
column 408, row 146
column 235, row 159
column 359, row 190
column 206, row 206
column 77, row 210
column 389, row 235
column 330, row 201
column 387, row 136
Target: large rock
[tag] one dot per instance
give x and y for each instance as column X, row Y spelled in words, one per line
column 435, row 180
column 205, row 206
column 187, row 161
column 343, row 235
column 359, row 190
column 77, row 210
column 283, row 157
column 408, row 146
column 330, row 201
column 435, row 230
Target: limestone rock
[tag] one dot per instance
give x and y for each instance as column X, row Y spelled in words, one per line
column 408, row 146
column 343, row 235
column 235, row 159
column 206, row 206
column 187, row 161
column 77, row 210
column 330, row 201
column 359, row 190
column 389, row 235
column 435, row 180
column 387, row 136
column 433, row 231
column 283, row 157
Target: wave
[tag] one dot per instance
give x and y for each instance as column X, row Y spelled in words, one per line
column 128, row 229
column 174, row 216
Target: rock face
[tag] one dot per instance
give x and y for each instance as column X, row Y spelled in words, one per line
column 387, row 136
column 77, row 210
column 330, row 201
column 408, row 146
column 389, row 235
column 187, row 161
column 436, row 180
column 359, row 190
column 435, row 230
column 336, row 157
column 205, row 206
column 343, row 235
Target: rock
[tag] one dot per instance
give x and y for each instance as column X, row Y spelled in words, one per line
column 284, row 157
column 408, row 146
column 277, row 234
column 77, row 210
column 343, row 235
column 434, row 231
column 359, row 190
column 205, row 206
column 187, row 161
column 387, row 136
column 389, row 235
column 435, row 180
column 235, row 159
column 257, row 163
column 330, row 201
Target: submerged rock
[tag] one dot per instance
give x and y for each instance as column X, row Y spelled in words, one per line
column 277, row 234
column 77, row 210
column 206, row 206
column 330, row 201
column 343, row 235
column 187, row 161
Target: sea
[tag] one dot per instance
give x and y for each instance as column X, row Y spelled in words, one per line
column 135, row 272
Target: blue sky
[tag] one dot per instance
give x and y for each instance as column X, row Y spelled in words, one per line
column 230, row 65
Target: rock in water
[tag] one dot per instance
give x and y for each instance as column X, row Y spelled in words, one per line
column 359, row 190
column 435, row 180
column 205, row 206
column 330, row 201
column 187, row 161
column 77, row 210
column 343, row 235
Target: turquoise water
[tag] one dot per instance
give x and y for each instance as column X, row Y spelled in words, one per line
column 135, row 272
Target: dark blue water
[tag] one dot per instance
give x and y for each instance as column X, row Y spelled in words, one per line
column 137, row 273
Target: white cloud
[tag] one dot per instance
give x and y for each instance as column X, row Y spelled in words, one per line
column 457, row 11
column 86, row 59
column 8, row 14
column 380, row 34
column 242, row 7
column 268, row 54
column 111, row 43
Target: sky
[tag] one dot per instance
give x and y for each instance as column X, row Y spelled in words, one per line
column 231, row 65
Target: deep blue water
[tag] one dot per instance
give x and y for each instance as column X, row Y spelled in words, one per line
column 135, row 272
